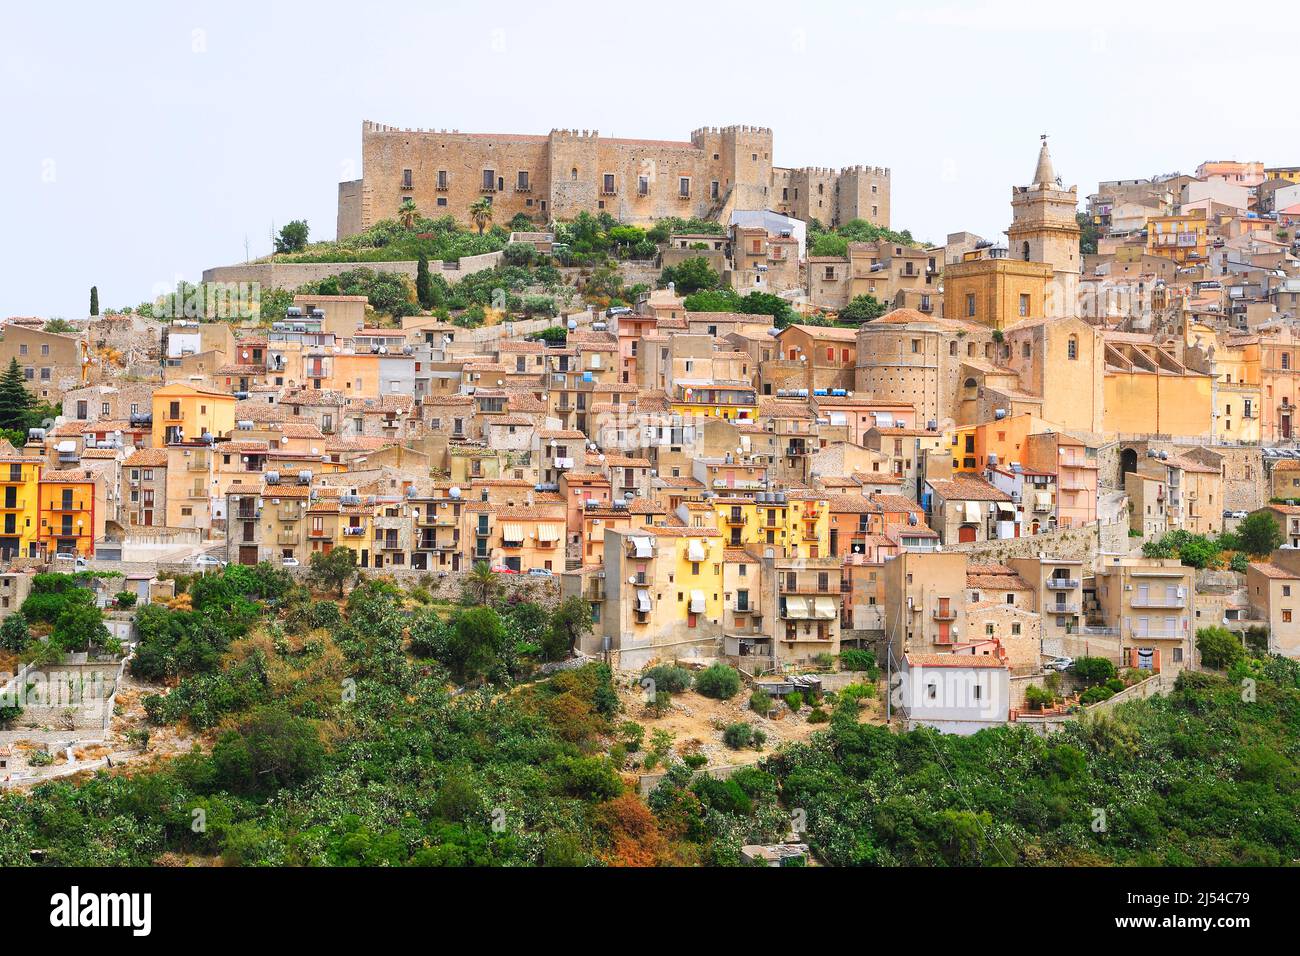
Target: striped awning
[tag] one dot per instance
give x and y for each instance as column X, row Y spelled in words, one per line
column 548, row 532
column 643, row 600
column 824, row 609
column 644, row 547
column 972, row 511
column 798, row 607
column 512, row 531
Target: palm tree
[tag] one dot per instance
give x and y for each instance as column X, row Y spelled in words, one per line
column 480, row 210
column 482, row 580
column 407, row 214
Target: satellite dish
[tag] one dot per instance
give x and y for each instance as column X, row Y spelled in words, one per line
column 573, row 324
column 631, row 580
column 454, row 492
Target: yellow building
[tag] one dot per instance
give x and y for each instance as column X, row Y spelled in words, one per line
column 67, row 513
column 995, row 292
column 1150, row 392
column 1180, row 238
column 184, row 413
column 19, row 512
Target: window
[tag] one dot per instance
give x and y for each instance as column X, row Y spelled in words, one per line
column 713, row 189
column 442, row 179
column 489, row 179
column 970, row 304
column 406, row 179
column 643, row 185
column 1024, row 304
column 1072, row 348
column 684, row 187
column 607, row 186
column 522, row 183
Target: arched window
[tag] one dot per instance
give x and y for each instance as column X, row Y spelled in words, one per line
column 1026, row 251
column 1072, row 348
column 573, row 174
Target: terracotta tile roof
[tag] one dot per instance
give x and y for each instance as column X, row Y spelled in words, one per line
column 955, row 660
column 147, row 458
column 967, row 489
column 1270, row 570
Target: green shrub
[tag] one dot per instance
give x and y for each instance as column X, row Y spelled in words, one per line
column 695, row 761
column 126, row 598
column 718, row 681
column 669, row 677
column 760, row 702
column 1036, row 698
column 857, row 660
column 794, row 700
column 1096, row 694
column 1094, row 670
column 818, row 716
column 738, row 736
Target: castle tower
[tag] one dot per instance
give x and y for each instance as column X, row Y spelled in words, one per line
column 1044, row 229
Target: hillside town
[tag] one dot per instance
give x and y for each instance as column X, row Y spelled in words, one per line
column 734, row 415
column 982, row 457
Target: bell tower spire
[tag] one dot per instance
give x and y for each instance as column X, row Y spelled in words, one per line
column 1044, row 175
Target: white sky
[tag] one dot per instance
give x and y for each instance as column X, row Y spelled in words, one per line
column 147, row 141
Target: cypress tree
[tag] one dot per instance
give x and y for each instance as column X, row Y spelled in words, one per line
column 424, row 283
column 94, row 300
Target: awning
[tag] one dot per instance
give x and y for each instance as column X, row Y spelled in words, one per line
column 1007, row 508
column 695, row 551
column 697, row 602
column 824, row 609
column 548, row 532
column 797, row 607
column 644, row 547
column 973, row 511
column 643, row 600
column 512, row 531
column 1044, row 500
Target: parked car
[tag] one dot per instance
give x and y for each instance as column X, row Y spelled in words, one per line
column 540, row 572
column 208, row 561
column 75, row 560
column 617, row 310
column 1059, row 664
column 502, row 569
column 289, row 562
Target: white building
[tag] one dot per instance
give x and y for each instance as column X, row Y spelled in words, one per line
column 954, row 693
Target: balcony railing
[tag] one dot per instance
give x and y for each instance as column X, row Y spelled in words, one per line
column 1062, row 584
column 1176, row 602
column 1161, row 633
column 945, row 614
column 1071, row 608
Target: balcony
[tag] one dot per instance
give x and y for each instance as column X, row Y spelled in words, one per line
column 289, row 514
column 523, row 188
column 1170, row 602
column 389, row 544
column 1060, row 608
column 1062, row 584
column 353, row 532
column 319, row 533
column 287, row 537
column 1158, row 634
column 735, row 520
column 197, row 464
column 944, row 614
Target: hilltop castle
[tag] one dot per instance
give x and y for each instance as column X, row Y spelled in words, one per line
column 566, row 172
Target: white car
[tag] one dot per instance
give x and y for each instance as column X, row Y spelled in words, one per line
column 208, row 561
column 289, row 562
column 1059, row 664
column 75, row 560
column 539, row 572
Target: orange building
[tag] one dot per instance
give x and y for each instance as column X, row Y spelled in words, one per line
column 68, row 513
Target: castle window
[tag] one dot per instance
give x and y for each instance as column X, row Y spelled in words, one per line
column 489, row 179
column 754, row 156
column 442, row 179
column 643, row 185
column 1072, row 348
column 573, row 173
column 607, row 184
column 521, row 184
column 1027, row 350
column 970, row 304
column 406, row 179
column 713, row 189
column 952, row 348
column 684, row 187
